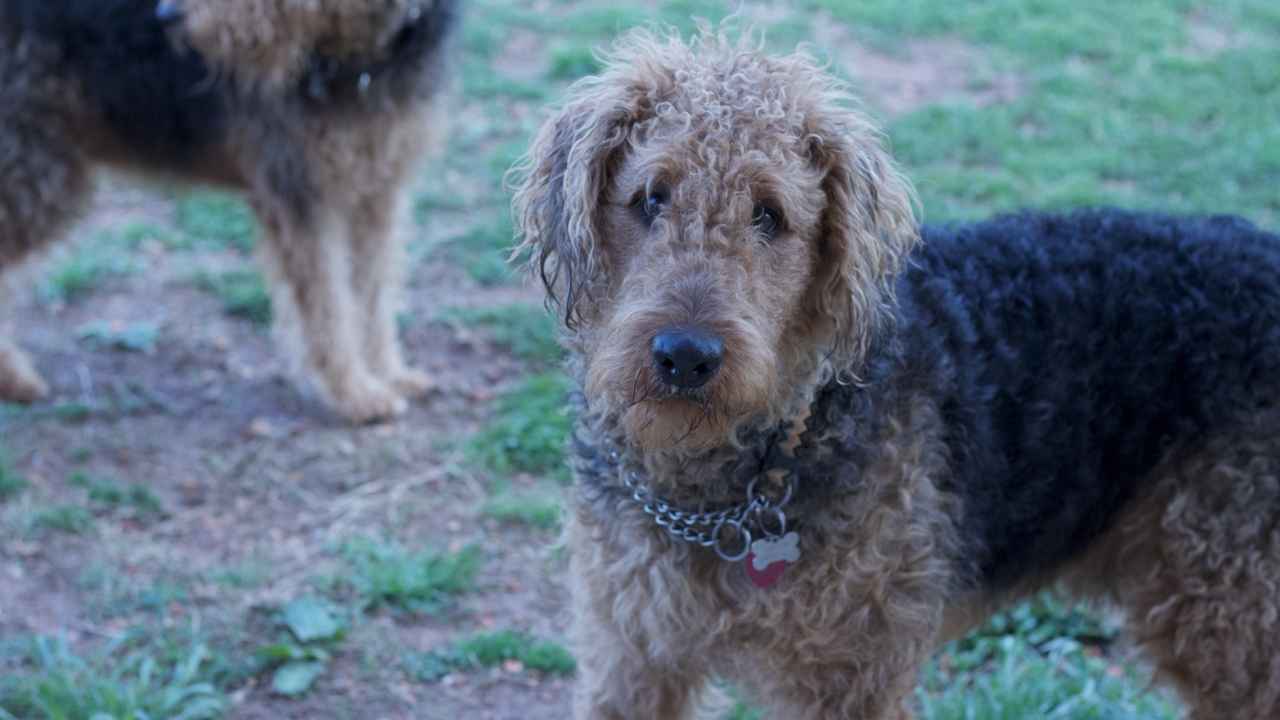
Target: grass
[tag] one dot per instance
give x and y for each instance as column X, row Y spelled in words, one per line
column 242, row 292
column 69, row 519
column 1117, row 107
column 216, row 220
column 539, row 509
column 388, row 575
column 11, row 483
column 526, row 331
column 1060, row 681
column 529, row 429
column 482, row 252
column 113, row 594
column 87, row 268
column 503, row 648
column 136, row 337
column 137, row 499
column 119, row 682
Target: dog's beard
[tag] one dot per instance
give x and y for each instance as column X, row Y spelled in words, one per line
column 656, row 416
column 659, row 417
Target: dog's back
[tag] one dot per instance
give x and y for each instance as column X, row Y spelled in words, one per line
column 155, row 98
column 1073, row 352
column 168, row 106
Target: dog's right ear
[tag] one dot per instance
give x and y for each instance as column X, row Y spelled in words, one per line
column 561, row 186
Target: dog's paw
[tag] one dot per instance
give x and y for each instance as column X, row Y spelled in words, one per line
column 412, row 383
column 371, row 402
column 19, row 382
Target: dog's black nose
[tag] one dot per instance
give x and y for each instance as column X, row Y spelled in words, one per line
column 685, row 357
column 167, row 11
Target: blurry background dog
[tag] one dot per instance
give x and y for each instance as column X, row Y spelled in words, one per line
column 318, row 111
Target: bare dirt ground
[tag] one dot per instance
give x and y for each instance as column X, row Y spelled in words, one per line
column 253, row 475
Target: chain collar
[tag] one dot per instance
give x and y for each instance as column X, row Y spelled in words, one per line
column 826, row 450
column 728, row 531
column 711, row 529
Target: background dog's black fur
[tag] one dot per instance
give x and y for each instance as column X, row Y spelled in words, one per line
column 166, row 103
column 1070, row 353
column 158, row 100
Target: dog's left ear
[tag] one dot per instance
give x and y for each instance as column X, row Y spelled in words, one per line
column 867, row 230
column 561, row 186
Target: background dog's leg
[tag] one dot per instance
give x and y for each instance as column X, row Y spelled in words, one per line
column 45, row 183
column 377, row 275
column 309, row 263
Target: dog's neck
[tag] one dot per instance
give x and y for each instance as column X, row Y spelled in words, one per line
column 800, row 450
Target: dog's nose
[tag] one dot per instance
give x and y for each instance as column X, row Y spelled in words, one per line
column 686, row 357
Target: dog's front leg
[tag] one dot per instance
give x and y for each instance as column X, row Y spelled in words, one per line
column 837, row 693
column 633, row 662
column 619, row 681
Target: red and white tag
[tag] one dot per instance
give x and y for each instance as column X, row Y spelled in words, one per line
column 770, row 557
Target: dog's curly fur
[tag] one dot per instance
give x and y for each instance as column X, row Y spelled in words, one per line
column 1085, row 399
column 319, row 111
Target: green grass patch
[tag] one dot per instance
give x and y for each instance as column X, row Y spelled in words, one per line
column 482, row 252
column 135, row 337
column 120, row 682
column 1040, row 659
column 572, row 62
column 112, row 593
column 492, row 650
column 242, row 292
column 528, row 331
column 1115, row 108
column 388, row 575
column 70, row 519
column 539, row 510
column 135, row 235
column 88, row 268
column 11, row 483
column 1061, row 680
column 528, row 431
column 217, row 220
column 243, row 575
column 137, row 499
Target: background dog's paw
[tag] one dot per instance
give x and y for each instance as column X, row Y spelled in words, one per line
column 372, row 401
column 412, row 383
column 19, row 382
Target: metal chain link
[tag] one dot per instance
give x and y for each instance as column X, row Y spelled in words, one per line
column 703, row 528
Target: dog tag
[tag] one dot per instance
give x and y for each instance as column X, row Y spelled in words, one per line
column 769, row 558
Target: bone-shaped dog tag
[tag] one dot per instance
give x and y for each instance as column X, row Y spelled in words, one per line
column 769, row 558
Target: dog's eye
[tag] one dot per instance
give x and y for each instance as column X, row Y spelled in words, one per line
column 654, row 201
column 767, row 220
column 651, row 203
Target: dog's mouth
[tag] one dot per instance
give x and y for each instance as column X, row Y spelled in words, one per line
column 658, row 414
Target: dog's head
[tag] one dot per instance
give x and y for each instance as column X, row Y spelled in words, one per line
column 272, row 43
column 717, row 228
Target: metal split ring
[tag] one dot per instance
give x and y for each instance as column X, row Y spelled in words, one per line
column 742, row 531
column 763, row 526
column 752, row 497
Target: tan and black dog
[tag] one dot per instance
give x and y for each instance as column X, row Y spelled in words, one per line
column 318, row 111
column 816, row 441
